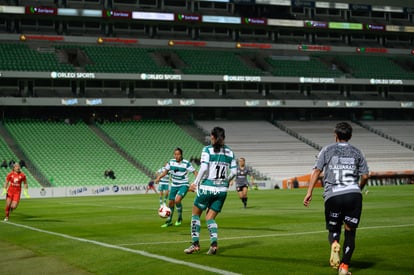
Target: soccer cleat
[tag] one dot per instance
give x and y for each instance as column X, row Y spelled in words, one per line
column 212, row 250
column 335, row 257
column 6, row 219
column 193, row 248
column 178, row 223
column 343, row 270
column 167, row 224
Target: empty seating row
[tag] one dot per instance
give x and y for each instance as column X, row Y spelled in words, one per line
column 117, row 59
column 152, row 142
column 71, row 154
column 215, row 62
column 382, row 154
column 279, row 155
column 7, row 154
column 306, row 68
column 20, row 57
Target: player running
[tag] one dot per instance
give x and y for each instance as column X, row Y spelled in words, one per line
column 178, row 168
column 163, row 187
column 345, row 175
column 151, row 186
column 242, row 181
column 13, row 188
column 218, row 167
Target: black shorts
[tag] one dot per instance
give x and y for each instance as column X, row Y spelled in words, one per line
column 341, row 209
column 241, row 187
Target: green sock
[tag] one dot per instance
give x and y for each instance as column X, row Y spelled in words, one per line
column 195, row 228
column 213, row 230
column 180, row 211
column 172, row 213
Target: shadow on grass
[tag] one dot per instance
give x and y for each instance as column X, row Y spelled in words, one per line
column 261, row 257
column 361, row 265
column 252, row 229
column 31, row 218
column 381, row 264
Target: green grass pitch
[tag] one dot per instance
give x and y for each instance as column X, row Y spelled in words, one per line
column 276, row 234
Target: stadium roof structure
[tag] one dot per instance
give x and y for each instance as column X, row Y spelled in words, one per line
column 202, row 90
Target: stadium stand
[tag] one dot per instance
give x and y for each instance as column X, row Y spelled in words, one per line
column 215, row 62
column 266, row 148
column 308, row 66
column 20, row 57
column 7, row 154
column 292, row 65
column 71, row 154
column 279, row 155
column 400, row 131
column 361, row 66
column 152, row 142
column 128, row 60
column 382, row 154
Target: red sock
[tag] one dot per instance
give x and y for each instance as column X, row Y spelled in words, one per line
column 344, row 266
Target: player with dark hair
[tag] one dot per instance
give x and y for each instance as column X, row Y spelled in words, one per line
column 13, row 188
column 163, row 187
column 242, row 181
column 345, row 175
column 218, row 167
column 178, row 168
column 151, row 186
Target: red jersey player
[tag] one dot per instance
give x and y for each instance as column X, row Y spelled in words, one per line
column 13, row 188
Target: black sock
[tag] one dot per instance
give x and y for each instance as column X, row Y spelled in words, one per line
column 349, row 246
column 334, row 236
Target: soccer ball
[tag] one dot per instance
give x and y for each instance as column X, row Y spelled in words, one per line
column 164, row 212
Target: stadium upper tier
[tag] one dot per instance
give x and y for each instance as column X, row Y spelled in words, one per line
column 20, row 57
column 122, row 60
column 118, row 59
column 216, row 62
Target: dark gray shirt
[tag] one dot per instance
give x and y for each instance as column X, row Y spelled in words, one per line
column 342, row 165
column 241, row 177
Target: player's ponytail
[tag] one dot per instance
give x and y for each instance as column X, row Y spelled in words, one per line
column 219, row 134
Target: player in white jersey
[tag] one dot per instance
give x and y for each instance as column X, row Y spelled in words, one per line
column 178, row 168
column 345, row 175
column 218, row 168
column 163, row 187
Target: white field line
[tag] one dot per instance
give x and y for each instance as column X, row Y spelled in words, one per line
column 140, row 252
column 273, row 235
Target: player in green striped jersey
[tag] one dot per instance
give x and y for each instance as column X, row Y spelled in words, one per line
column 178, row 168
column 163, row 187
column 218, row 168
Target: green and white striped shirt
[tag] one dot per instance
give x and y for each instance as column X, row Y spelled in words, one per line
column 216, row 168
column 179, row 171
column 164, row 180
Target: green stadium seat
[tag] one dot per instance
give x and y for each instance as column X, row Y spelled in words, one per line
column 73, row 155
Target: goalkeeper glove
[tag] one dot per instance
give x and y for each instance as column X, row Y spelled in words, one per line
column 26, row 193
column 4, row 192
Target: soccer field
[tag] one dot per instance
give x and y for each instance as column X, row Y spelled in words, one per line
column 276, row 234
